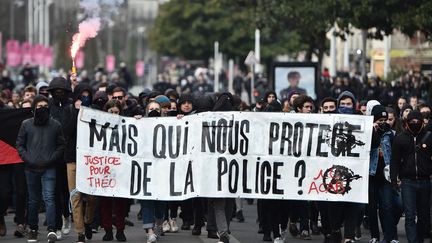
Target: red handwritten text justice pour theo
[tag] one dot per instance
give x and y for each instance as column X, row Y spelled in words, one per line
column 101, row 165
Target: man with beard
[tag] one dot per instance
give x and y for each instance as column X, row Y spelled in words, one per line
column 40, row 144
column 412, row 164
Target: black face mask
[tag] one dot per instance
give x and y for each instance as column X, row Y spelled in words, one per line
column 85, row 101
column 172, row 113
column 41, row 116
column 154, row 113
column 426, row 115
column 45, row 94
column 99, row 104
column 60, row 100
column 383, row 127
column 415, row 128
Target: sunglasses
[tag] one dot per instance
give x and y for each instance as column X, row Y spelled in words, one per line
column 117, row 97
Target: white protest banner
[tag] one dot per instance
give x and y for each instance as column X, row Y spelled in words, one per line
column 225, row 154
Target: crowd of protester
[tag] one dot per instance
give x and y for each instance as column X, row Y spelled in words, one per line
column 399, row 174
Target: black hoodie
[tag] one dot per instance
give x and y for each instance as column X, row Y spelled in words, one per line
column 225, row 102
column 411, row 156
column 40, row 147
column 70, row 126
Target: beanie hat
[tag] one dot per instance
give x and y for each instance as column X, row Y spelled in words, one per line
column 379, row 112
column 163, row 100
column 184, row 98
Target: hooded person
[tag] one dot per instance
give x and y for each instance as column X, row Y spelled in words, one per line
column 224, row 102
column 370, row 105
column 204, row 103
column 218, row 208
column 99, row 100
column 60, row 90
column 171, row 94
column 346, row 212
column 41, row 88
column 270, row 96
column 414, row 123
column 185, row 104
column 274, row 106
column 412, row 164
column 40, row 144
column 82, row 96
column 346, row 102
column 41, row 115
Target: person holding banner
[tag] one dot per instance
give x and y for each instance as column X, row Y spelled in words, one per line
column 220, row 209
column 302, row 104
column 41, row 144
column 120, row 205
column 346, row 213
column 272, row 210
column 186, row 107
column 82, row 96
column 328, row 106
column 152, row 211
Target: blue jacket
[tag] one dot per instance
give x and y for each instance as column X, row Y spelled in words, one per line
column 386, row 147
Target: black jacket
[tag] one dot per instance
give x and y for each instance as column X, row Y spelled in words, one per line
column 411, row 156
column 70, row 123
column 70, row 133
column 40, row 147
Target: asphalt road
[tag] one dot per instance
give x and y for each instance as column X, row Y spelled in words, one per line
column 245, row 232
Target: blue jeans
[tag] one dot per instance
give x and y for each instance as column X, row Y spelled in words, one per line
column 416, row 201
column 152, row 210
column 381, row 196
column 41, row 183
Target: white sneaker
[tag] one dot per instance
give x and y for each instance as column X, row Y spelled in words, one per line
column 59, row 235
column 66, row 226
column 374, row 240
column 52, row 237
column 151, row 238
column 166, row 226
column 173, row 226
column 278, row 240
column 394, row 241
